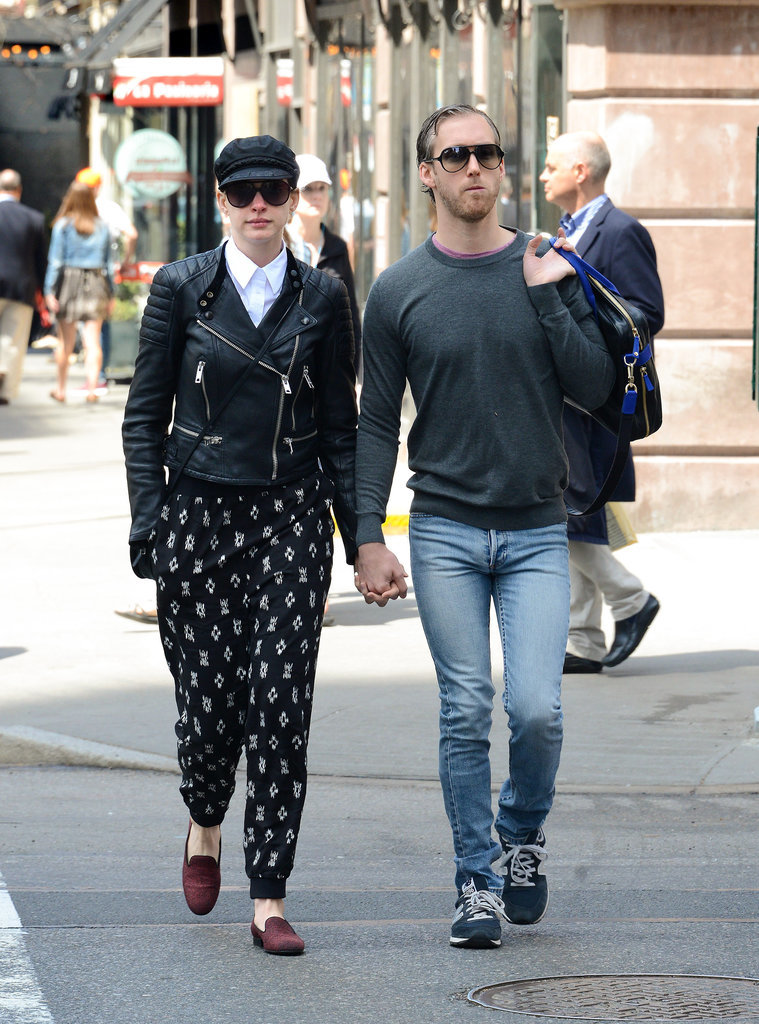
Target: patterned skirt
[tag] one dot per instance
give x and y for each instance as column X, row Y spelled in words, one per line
column 84, row 295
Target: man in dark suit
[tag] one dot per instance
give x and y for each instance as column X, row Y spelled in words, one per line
column 619, row 247
column 23, row 261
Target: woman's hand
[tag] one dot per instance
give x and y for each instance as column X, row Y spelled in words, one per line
column 52, row 303
column 379, row 576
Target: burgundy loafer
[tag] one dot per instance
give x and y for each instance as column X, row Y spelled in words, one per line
column 278, row 937
column 201, row 880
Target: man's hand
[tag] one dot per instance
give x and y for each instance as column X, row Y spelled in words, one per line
column 546, row 269
column 379, row 576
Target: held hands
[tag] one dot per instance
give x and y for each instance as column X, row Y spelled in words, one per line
column 379, row 576
column 51, row 302
column 546, row 269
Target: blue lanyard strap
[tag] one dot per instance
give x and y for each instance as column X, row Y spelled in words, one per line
column 584, row 270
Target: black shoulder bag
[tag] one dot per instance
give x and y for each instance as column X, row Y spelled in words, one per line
column 633, row 409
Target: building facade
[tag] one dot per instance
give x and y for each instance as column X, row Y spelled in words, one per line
column 673, row 88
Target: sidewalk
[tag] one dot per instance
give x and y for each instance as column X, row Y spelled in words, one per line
column 653, row 841
column 678, row 715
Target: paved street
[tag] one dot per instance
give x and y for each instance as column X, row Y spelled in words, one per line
column 653, row 839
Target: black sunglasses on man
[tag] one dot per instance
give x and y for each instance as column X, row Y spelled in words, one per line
column 454, row 158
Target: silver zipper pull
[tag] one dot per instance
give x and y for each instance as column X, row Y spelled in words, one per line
column 286, row 384
column 306, row 378
column 199, row 372
column 289, row 442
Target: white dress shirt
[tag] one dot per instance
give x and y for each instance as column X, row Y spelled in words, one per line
column 575, row 225
column 258, row 287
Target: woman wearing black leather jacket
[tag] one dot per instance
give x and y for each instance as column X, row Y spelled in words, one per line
column 244, row 390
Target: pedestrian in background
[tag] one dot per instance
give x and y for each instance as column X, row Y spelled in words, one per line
column 244, row 389
column 23, row 261
column 617, row 245
column 313, row 242
column 123, row 236
column 79, row 283
column 491, row 331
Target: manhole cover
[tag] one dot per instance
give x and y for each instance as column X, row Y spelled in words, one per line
column 633, row 997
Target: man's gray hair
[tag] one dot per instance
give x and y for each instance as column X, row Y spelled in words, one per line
column 10, row 181
column 593, row 152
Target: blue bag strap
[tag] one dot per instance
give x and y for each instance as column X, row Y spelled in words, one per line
column 583, row 271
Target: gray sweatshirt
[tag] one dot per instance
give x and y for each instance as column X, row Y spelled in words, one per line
column 489, row 361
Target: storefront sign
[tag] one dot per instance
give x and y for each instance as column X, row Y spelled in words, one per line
column 346, row 88
column 168, row 81
column 285, row 73
column 151, row 164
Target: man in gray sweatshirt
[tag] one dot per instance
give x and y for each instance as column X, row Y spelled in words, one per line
column 491, row 330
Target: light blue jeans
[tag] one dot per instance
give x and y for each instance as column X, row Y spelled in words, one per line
column 456, row 571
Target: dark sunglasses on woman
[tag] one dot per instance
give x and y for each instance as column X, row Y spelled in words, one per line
column 454, row 158
column 242, row 193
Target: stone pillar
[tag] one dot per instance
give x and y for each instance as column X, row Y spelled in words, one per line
column 388, row 149
column 674, row 90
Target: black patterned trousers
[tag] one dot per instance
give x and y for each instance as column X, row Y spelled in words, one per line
column 242, row 583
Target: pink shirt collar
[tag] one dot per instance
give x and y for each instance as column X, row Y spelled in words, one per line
column 467, row 255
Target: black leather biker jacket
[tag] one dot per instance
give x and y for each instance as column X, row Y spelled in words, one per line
column 293, row 410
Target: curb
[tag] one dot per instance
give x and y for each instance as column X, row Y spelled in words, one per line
column 396, row 524
column 24, row 745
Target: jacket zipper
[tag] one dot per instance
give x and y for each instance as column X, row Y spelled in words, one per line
column 290, row 441
column 307, row 379
column 200, row 379
column 286, row 390
column 208, row 439
column 225, row 340
column 284, row 377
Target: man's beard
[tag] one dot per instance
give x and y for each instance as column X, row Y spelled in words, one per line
column 469, row 212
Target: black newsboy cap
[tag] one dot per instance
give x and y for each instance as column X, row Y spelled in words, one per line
column 256, row 158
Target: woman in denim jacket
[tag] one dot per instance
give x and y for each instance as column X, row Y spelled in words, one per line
column 79, row 283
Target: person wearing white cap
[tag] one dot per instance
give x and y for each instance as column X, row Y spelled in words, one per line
column 312, row 241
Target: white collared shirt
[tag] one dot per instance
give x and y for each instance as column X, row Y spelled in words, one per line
column 258, row 287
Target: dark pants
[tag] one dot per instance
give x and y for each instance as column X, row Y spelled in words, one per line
column 242, row 583
column 105, row 346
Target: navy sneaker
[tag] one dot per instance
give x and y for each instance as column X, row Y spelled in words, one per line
column 525, row 889
column 475, row 923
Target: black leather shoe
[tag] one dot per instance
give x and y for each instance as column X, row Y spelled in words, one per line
column 629, row 632
column 573, row 663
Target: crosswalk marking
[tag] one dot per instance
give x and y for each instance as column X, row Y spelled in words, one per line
column 21, row 999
